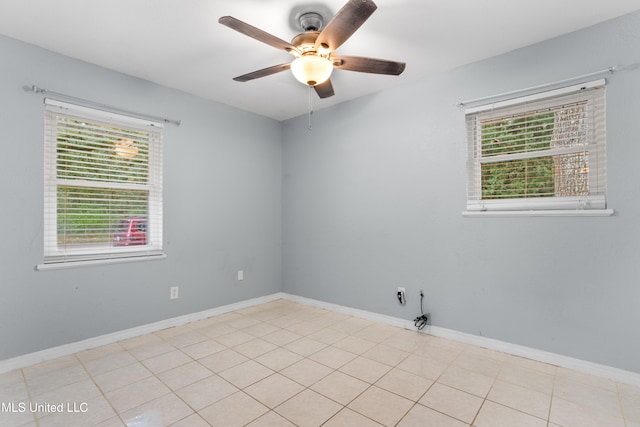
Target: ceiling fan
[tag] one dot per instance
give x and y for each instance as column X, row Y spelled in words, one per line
column 315, row 48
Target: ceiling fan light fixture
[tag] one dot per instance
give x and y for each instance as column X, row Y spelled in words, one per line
column 311, row 69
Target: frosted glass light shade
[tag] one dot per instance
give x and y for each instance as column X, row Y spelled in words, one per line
column 311, row 70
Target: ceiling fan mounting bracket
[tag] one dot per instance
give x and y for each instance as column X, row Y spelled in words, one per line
column 309, row 16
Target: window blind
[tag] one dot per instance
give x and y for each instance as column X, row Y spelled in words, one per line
column 103, row 185
column 546, row 151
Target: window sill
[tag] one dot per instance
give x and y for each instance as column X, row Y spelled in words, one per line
column 87, row 263
column 530, row 213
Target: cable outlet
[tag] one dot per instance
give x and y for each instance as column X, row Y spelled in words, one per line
column 174, row 292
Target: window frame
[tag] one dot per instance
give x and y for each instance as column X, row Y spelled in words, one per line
column 593, row 94
column 55, row 256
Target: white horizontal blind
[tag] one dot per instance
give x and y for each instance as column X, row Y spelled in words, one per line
column 539, row 152
column 102, row 171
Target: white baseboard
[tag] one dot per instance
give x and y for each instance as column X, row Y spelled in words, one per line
column 604, row 371
column 76, row 347
column 615, row 374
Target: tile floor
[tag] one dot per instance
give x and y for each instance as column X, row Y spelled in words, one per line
column 286, row 364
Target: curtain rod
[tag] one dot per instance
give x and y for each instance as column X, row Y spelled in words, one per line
column 609, row 70
column 104, row 107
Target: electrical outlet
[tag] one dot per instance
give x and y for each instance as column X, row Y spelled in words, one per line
column 174, row 292
column 240, row 275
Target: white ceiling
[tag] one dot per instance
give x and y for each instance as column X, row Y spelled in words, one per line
column 179, row 43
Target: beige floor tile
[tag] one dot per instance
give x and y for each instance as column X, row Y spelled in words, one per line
column 239, row 409
column 468, row 381
column 564, row 374
column 109, row 362
column 222, row 360
column 169, row 407
column 87, row 412
column 136, row 394
column 273, row 390
column 193, row 420
column 261, row 329
column 284, row 321
column 72, row 393
column 570, row 414
column 365, row 369
column 166, row 361
column 121, row 377
column 406, row 340
column 50, row 366
column 139, row 341
column 404, row 383
column 328, row 335
column 527, row 378
column 340, row 387
column 351, row 325
column 306, row 372
column 52, row 380
column 99, row 352
column 206, row 392
column 631, row 407
column 376, row 333
column 426, row 368
column 278, row 359
column 184, row 375
column 384, row 354
column 347, row 417
column 216, row 330
column 438, row 352
column 151, row 349
column 243, row 322
column 281, row 337
column 305, row 346
column 452, row 402
column 333, row 357
column 381, row 406
column 588, row 396
column 495, row 415
column 273, row 351
column 203, row 349
column 308, row 409
column 17, row 415
column 522, row 399
column 271, row 419
column 534, row 365
column 354, row 344
column 13, row 387
column 486, row 353
column 235, row 338
column 254, row 348
column 186, row 338
column 304, row 328
column 419, row 416
column 479, row 364
column 245, row 374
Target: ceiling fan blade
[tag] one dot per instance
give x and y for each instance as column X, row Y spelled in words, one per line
column 368, row 65
column 258, row 34
column 345, row 23
column 324, row 90
column 262, row 73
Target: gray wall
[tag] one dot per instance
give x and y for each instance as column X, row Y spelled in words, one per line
column 373, row 197
column 222, row 206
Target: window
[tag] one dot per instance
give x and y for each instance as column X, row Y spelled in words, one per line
column 103, row 186
column 540, row 152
